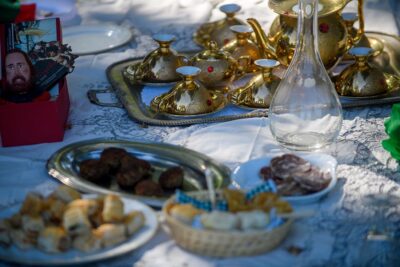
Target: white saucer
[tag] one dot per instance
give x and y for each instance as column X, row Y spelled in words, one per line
column 246, row 176
column 92, row 39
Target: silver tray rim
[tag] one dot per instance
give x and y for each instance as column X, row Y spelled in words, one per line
column 70, row 178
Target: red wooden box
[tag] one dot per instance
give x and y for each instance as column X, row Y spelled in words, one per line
column 35, row 122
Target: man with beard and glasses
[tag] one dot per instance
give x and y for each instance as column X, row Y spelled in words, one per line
column 20, row 74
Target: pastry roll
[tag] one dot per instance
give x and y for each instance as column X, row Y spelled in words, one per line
column 219, row 220
column 133, row 221
column 66, row 193
column 32, row 225
column 110, row 234
column 97, row 218
column 89, row 206
column 253, row 219
column 32, row 204
column 184, row 213
column 53, row 210
column 21, row 239
column 87, row 243
column 5, row 228
column 53, row 239
column 76, row 222
column 113, row 209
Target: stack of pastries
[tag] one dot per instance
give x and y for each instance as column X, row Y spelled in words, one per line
column 243, row 214
column 63, row 221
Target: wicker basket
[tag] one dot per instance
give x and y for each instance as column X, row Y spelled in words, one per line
column 220, row 243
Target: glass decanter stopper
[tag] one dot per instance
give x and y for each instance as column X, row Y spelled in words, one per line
column 159, row 65
column 189, row 96
column 243, row 49
column 257, row 93
column 305, row 112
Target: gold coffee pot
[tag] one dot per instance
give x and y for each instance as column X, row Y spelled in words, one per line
column 188, row 97
column 257, row 93
column 159, row 65
column 219, row 31
column 281, row 39
column 360, row 79
column 218, row 68
column 243, row 49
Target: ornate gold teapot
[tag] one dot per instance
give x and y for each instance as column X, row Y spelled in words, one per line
column 159, row 65
column 218, row 68
column 281, row 40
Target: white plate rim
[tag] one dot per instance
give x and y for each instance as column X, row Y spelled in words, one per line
column 80, row 31
column 135, row 241
column 306, row 199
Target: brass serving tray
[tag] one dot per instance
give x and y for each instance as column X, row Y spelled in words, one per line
column 63, row 165
column 130, row 97
column 130, row 94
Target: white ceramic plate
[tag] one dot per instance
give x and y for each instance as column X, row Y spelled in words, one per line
column 39, row 258
column 91, row 39
column 246, row 176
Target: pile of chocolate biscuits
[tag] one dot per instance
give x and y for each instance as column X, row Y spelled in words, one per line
column 130, row 173
column 295, row 176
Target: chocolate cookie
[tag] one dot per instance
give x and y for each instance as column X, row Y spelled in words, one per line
column 287, row 165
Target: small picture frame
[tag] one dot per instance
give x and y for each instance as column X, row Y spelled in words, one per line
column 35, row 60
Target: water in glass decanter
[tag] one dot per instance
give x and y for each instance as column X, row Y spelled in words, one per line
column 305, row 112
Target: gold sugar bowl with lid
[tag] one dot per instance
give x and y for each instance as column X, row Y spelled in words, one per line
column 188, row 97
column 363, row 80
column 218, row 68
column 159, row 65
column 258, row 91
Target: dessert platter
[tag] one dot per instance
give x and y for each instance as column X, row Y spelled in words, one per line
column 148, row 172
column 66, row 228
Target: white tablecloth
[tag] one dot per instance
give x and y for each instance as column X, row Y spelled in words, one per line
column 330, row 238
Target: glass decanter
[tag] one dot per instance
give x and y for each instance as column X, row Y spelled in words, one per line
column 305, row 112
